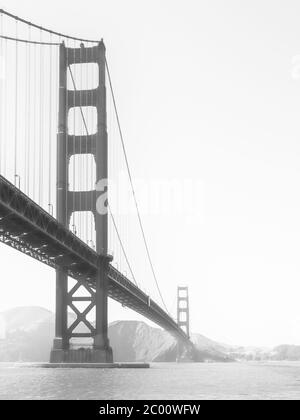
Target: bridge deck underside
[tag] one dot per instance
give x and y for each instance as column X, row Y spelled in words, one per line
column 28, row 228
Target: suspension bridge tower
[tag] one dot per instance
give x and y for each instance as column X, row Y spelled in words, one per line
column 184, row 350
column 183, row 309
column 82, row 201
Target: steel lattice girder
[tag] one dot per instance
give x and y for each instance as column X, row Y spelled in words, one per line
column 25, row 226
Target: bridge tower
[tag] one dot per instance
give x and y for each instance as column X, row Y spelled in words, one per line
column 184, row 351
column 183, row 309
column 79, row 201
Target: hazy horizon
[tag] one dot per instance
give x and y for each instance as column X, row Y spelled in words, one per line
column 142, row 319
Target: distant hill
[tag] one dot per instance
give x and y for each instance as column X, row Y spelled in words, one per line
column 25, row 318
column 134, row 340
column 29, row 332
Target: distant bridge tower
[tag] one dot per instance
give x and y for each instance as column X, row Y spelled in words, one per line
column 79, row 201
column 184, row 349
column 183, row 315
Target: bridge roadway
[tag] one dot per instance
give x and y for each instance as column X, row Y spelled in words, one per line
column 25, row 226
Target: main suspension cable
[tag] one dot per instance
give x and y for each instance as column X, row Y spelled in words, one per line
column 113, row 219
column 27, row 22
column 61, row 35
column 132, row 186
column 28, row 41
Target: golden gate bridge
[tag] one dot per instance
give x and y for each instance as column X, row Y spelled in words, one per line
column 62, row 151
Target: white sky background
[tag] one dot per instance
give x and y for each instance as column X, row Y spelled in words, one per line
column 205, row 91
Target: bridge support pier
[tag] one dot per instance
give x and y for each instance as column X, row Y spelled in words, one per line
column 95, row 294
column 100, row 352
column 101, row 346
column 60, row 342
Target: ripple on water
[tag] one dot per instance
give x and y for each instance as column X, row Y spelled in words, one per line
column 161, row 381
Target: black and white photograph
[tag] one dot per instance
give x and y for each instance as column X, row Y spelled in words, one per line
column 149, row 203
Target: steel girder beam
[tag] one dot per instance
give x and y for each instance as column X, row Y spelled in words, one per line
column 28, row 228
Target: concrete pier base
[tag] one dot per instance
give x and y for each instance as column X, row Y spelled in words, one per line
column 81, row 356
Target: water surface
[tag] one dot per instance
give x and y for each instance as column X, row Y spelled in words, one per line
column 161, row 381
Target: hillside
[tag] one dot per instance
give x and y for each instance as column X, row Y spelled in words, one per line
column 133, row 340
column 26, row 334
column 29, row 332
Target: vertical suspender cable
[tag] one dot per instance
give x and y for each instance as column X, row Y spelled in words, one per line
column 93, row 165
column 29, row 113
column 132, row 188
column 1, row 99
column 41, row 139
column 88, row 235
column 87, row 132
column 79, row 170
column 74, row 157
column 67, row 132
column 16, row 109
column 5, row 110
column 92, row 176
column 25, row 113
column 50, row 129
